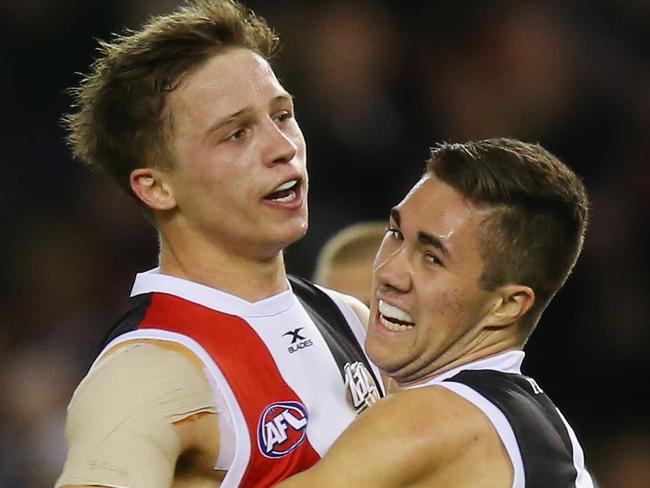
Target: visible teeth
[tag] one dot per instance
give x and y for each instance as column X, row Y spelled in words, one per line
column 393, row 312
column 393, row 326
column 288, row 198
column 393, row 318
column 286, row 185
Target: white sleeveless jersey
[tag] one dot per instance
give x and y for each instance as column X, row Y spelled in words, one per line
column 289, row 370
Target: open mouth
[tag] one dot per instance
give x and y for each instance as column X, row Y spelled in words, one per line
column 393, row 318
column 284, row 193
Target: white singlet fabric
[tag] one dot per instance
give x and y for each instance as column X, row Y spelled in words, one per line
column 277, row 367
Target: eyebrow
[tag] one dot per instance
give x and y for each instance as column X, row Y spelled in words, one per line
column 431, row 240
column 243, row 113
column 229, row 119
column 423, row 237
column 394, row 214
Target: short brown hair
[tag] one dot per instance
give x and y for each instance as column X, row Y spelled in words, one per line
column 536, row 230
column 119, row 121
column 353, row 243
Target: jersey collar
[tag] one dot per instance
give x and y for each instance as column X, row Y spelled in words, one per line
column 153, row 281
column 506, row 362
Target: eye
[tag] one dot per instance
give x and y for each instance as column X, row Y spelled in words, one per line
column 237, row 135
column 395, row 233
column 432, row 259
column 283, row 116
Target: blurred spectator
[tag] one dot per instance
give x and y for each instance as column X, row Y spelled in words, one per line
column 346, row 261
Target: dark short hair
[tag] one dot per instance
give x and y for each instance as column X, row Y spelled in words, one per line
column 119, row 120
column 540, row 210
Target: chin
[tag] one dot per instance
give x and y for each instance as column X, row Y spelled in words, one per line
column 291, row 233
column 375, row 352
column 299, row 225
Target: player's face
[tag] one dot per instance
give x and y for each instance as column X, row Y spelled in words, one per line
column 240, row 178
column 427, row 307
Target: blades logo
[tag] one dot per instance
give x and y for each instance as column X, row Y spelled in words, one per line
column 298, row 341
column 282, row 428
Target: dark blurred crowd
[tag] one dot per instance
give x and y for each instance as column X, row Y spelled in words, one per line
column 376, row 83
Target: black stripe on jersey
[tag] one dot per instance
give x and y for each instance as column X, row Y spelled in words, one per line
column 131, row 319
column 332, row 325
column 543, row 440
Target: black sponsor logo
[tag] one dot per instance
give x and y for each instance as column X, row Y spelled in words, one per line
column 298, row 341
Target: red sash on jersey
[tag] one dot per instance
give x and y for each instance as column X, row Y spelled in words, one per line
column 255, row 380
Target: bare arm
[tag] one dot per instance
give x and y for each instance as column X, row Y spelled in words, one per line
column 423, row 437
column 132, row 417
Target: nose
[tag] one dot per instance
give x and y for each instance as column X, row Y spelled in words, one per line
column 280, row 148
column 392, row 270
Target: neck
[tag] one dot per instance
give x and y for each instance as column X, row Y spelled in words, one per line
column 248, row 277
column 483, row 346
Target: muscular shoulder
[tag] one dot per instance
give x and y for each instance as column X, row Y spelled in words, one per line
column 419, row 437
column 446, row 438
column 143, row 371
column 124, row 413
column 434, row 423
column 448, row 424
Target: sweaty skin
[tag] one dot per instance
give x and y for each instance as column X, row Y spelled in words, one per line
column 428, row 436
column 163, row 416
column 235, row 140
column 417, row 438
column 142, row 404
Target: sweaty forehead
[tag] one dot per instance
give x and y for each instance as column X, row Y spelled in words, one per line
column 436, row 208
column 228, row 82
column 231, row 68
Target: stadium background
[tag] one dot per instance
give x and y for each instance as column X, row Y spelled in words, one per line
column 376, row 84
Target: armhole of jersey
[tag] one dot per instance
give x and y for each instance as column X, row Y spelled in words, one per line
column 357, row 329
column 500, row 423
column 583, row 478
column 235, row 447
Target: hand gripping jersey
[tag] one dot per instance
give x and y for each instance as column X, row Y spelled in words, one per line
column 543, row 448
column 289, row 370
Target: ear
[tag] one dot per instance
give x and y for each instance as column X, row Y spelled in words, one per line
column 512, row 303
column 151, row 186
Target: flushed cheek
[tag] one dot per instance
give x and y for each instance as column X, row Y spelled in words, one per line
column 452, row 305
column 440, row 317
column 385, row 347
column 458, row 310
column 444, row 304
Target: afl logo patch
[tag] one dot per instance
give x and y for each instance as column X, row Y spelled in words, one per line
column 282, row 428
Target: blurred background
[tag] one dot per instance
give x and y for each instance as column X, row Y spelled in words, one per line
column 376, row 83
